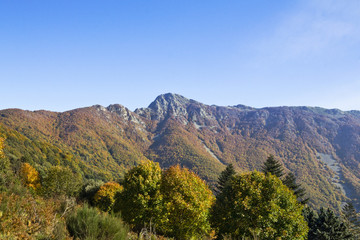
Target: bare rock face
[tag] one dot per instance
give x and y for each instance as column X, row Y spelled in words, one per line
column 125, row 113
column 164, row 106
column 120, row 110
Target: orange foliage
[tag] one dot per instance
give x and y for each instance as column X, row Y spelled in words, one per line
column 30, row 176
column 1, row 147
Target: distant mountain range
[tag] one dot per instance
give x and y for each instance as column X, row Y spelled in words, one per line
column 320, row 146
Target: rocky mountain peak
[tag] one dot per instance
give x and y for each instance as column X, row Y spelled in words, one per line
column 165, row 105
column 169, row 101
column 117, row 108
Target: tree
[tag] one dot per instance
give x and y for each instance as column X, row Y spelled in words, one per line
column 219, row 213
column 224, row 178
column 29, row 176
column 290, row 182
column 105, row 196
column 89, row 189
column 187, row 201
column 140, row 202
column 1, row 147
column 326, row 225
column 60, row 181
column 351, row 219
column 273, row 166
column 6, row 175
column 260, row 206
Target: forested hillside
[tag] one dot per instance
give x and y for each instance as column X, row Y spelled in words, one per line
column 103, row 143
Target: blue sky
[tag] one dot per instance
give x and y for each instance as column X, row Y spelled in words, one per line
column 60, row 55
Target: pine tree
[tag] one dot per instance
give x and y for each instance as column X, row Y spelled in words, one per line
column 273, row 166
column 219, row 214
column 326, row 225
column 351, row 219
column 225, row 176
column 310, row 217
column 290, row 182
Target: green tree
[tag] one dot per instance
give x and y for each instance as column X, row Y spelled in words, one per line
column 187, row 201
column 273, row 166
column 89, row 189
column 140, row 203
column 224, row 178
column 290, row 182
column 60, row 181
column 6, row 176
column 260, row 206
column 310, row 217
column 326, row 226
column 220, row 212
column 351, row 219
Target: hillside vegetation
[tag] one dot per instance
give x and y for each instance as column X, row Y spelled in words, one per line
column 99, row 143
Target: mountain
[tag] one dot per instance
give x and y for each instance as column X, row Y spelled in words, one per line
column 320, row 146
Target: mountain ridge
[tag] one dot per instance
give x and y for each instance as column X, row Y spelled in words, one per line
column 105, row 141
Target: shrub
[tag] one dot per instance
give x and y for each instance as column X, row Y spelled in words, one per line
column 25, row 216
column 88, row 223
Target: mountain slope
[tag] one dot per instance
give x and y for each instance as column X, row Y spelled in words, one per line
column 104, row 142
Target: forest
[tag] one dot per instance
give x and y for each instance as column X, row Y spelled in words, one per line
column 154, row 203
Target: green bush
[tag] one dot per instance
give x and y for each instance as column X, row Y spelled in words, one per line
column 87, row 223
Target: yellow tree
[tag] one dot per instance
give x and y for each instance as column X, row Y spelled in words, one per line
column 140, row 203
column 105, row 196
column 29, row 176
column 187, row 201
column 1, row 147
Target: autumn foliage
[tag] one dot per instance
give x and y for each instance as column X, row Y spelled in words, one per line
column 105, row 196
column 187, row 202
column 1, row 147
column 141, row 201
column 29, row 176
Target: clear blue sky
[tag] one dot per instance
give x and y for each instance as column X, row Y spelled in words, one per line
column 61, row 54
